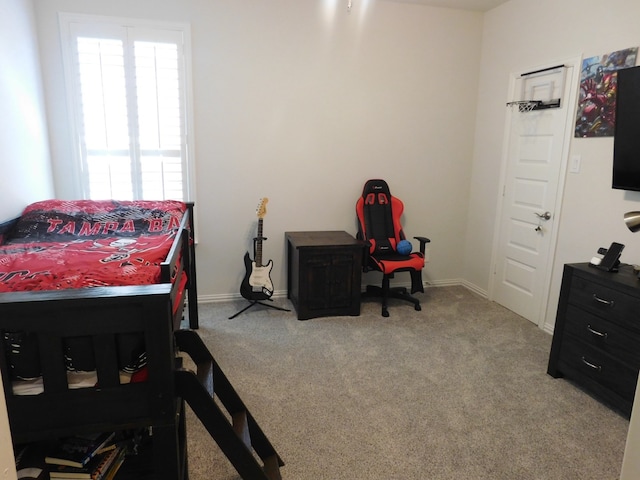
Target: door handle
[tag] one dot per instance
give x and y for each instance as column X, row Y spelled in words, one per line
column 543, row 216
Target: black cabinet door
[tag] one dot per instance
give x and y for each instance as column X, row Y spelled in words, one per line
column 329, row 281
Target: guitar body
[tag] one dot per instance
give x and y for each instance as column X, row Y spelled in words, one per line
column 260, row 277
column 257, row 283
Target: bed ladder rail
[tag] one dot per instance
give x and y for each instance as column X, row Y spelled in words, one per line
column 235, row 431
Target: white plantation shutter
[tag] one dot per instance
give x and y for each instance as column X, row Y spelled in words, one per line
column 105, row 140
column 128, row 93
column 159, row 118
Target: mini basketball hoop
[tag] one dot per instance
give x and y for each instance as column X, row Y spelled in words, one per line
column 525, row 105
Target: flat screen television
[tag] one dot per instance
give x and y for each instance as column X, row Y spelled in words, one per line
column 626, row 143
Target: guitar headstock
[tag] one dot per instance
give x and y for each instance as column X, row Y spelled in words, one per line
column 261, row 211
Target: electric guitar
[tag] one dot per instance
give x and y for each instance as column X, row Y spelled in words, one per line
column 257, row 283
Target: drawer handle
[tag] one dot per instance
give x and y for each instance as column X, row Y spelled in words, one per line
column 597, row 333
column 597, row 368
column 600, row 300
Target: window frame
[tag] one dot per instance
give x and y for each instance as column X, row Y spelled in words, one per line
column 69, row 23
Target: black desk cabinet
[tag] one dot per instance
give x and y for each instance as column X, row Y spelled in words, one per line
column 324, row 273
column 596, row 341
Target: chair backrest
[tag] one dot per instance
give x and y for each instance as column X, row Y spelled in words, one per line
column 378, row 215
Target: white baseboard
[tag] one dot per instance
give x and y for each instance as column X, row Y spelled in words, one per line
column 548, row 328
column 226, row 297
column 474, row 288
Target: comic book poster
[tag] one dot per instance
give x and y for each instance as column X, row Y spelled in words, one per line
column 598, row 85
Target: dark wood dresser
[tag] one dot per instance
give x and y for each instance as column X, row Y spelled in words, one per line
column 596, row 341
column 324, row 273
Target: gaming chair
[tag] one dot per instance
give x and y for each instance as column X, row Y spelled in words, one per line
column 388, row 251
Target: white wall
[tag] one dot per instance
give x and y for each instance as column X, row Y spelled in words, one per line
column 24, row 159
column 302, row 102
column 24, row 153
column 522, row 34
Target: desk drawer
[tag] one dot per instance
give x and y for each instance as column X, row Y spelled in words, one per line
column 600, row 367
column 613, row 305
column 619, row 342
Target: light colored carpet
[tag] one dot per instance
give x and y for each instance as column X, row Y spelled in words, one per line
column 456, row 391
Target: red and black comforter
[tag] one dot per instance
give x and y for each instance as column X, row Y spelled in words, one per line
column 59, row 244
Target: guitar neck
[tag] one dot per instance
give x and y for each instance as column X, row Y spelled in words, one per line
column 258, row 259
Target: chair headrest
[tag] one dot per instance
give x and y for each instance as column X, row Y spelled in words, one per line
column 375, row 186
column 376, row 192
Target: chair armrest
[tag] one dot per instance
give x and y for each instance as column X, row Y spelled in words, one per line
column 423, row 241
column 366, row 254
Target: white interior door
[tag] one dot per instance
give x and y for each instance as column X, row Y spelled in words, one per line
column 536, row 151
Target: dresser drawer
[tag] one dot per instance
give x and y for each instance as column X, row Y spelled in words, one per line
column 600, row 367
column 608, row 303
column 619, row 342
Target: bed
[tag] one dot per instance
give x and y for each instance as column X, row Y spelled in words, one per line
column 90, row 296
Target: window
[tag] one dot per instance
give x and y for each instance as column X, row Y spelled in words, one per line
column 127, row 84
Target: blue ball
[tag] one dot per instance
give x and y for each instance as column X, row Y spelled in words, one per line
column 404, row 247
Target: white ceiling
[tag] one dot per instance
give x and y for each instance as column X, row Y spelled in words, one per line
column 477, row 5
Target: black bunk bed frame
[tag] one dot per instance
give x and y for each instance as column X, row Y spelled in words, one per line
column 157, row 405
column 101, row 314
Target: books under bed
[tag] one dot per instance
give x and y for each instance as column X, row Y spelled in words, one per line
column 91, row 295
